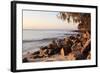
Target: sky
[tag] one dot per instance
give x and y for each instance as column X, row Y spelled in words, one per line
column 45, row 20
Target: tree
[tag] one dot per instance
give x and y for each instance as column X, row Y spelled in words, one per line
column 83, row 19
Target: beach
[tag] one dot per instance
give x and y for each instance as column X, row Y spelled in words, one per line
column 55, row 45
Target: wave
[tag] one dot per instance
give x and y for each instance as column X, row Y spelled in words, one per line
column 45, row 39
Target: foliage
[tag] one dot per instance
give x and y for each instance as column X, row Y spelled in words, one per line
column 84, row 19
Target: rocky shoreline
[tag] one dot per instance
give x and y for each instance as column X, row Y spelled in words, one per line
column 74, row 47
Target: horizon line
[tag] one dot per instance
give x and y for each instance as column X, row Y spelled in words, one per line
column 50, row 29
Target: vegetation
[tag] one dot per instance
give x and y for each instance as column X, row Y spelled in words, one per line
column 83, row 19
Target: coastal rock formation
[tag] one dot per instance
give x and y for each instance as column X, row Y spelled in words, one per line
column 77, row 47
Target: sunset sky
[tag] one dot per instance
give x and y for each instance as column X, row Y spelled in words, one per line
column 45, row 20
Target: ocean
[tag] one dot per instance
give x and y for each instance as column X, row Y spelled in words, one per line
column 34, row 39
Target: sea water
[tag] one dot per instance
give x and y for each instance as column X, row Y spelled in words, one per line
column 34, row 39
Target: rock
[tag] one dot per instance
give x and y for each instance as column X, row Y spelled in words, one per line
column 25, row 60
